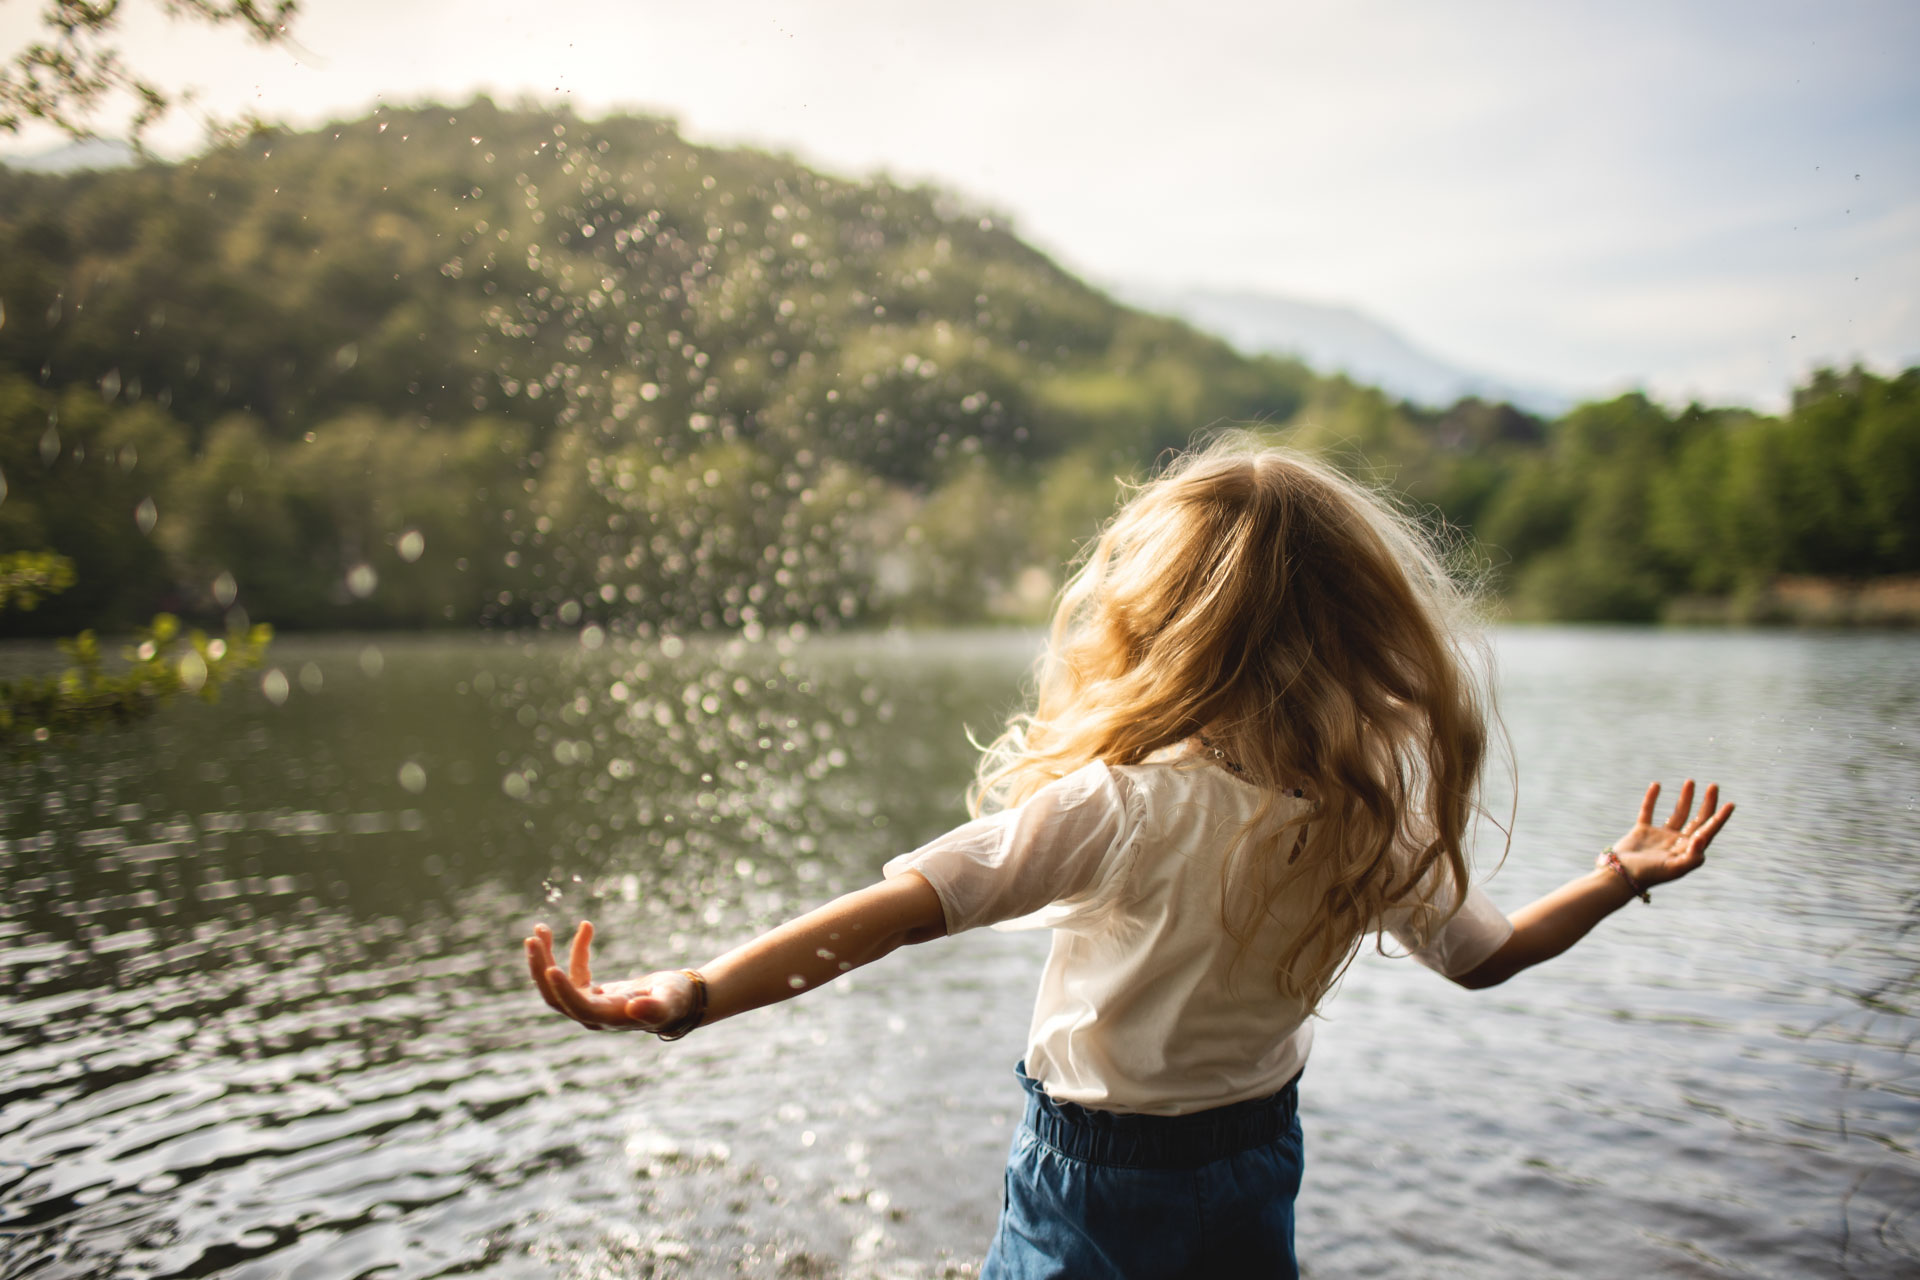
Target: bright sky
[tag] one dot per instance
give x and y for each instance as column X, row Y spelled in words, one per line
column 1701, row 199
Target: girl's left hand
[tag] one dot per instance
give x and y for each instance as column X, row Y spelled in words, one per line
column 640, row 1004
column 1656, row 855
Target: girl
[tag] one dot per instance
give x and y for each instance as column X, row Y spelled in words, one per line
column 1257, row 740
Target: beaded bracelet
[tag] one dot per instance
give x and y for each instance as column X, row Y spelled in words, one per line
column 694, row 1015
column 1608, row 858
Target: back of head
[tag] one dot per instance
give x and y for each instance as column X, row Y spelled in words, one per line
column 1313, row 634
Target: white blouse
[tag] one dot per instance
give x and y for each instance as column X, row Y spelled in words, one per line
column 1146, row 1004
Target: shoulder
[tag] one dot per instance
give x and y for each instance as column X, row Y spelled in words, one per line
column 1093, row 779
column 1183, row 781
column 1093, row 791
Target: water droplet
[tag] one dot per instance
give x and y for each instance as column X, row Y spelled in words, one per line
column 193, row 672
column 110, row 386
column 146, row 515
column 346, row 357
column 274, row 685
column 225, row 588
column 413, row 777
column 49, row 445
column 411, row 546
column 361, row 580
column 515, row 785
column 311, row 678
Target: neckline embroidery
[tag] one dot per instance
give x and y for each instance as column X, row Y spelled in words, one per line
column 1239, row 770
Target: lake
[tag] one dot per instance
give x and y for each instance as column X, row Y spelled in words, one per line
column 265, row 1012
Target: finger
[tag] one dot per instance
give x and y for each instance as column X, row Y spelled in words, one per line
column 1709, row 803
column 575, row 1003
column 537, row 962
column 1710, row 828
column 546, row 954
column 592, row 1009
column 577, row 966
column 1646, row 805
column 1683, row 808
column 544, row 936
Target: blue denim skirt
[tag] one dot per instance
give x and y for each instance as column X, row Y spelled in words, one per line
column 1098, row 1196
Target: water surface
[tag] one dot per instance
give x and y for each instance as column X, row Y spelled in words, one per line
column 264, row 1013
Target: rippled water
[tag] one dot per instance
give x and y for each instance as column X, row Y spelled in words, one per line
column 264, row 1013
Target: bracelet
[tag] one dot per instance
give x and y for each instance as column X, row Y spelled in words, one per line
column 1608, row 858
column 695, row 1015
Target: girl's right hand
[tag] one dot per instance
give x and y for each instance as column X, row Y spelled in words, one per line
column 641, row 1004
column 1656, row 855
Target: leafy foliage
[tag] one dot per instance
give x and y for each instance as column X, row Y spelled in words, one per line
column 27, row 577
column 66, row 77
column 160, row 663
column 474, row 364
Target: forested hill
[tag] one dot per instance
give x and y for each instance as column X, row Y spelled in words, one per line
column 445, row 365
column 432, row 261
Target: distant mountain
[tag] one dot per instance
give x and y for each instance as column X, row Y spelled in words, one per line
column 73, row 157
column 1336, row 339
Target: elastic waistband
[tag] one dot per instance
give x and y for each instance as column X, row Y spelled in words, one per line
column 1158, row 1142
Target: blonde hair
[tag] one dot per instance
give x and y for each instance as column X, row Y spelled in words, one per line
column 1315, row 636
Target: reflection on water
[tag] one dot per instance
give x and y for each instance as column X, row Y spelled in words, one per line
column 264, row 1014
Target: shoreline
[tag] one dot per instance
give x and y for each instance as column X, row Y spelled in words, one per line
column 1803, row 601
column 1788, row 603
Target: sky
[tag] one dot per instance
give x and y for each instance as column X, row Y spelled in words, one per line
column 1702, row 200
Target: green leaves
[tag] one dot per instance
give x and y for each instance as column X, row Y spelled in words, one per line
column 66, row 77
column 528, row 340
column 27, row 577
column 161, row 664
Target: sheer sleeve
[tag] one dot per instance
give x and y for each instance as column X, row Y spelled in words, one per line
column 1459, row 944
column 1061, row 844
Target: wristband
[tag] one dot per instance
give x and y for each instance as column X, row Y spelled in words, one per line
column 695, row 1014
column 1608, row 858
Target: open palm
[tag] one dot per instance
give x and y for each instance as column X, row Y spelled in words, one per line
column 1656, row 854
column 638, row 1004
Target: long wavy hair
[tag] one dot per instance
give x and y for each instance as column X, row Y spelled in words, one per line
column 1313, row 634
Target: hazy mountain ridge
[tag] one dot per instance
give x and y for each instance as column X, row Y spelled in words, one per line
column 77, row 156
column 1332, row 338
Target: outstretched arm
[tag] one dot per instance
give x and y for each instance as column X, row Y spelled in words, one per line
column 1652, row 855
column 799, row 955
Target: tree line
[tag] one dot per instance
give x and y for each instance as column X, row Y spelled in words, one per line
column 445, row 366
